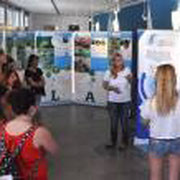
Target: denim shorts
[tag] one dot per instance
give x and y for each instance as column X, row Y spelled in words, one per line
column 163, row 147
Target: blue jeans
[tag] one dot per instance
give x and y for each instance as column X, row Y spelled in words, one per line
column 163, row 147
column 119, row 111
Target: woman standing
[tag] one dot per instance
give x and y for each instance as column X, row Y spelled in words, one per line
column 163, row 111
column 3, row 61
column 117, row 83
column 34, row 78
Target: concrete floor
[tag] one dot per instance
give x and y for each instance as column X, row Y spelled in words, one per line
column 82, row 133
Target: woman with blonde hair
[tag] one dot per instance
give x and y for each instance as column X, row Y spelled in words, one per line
column 117, row 83
column 163, row 111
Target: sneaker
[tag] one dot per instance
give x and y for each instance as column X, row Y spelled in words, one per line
column 110, row 146
column 122, row 147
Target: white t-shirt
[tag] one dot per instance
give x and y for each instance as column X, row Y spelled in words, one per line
column 122, row 84
column 162, row 127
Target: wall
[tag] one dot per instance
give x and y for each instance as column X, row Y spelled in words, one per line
column 38, row 21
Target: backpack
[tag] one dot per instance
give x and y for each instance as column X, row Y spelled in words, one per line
column 8, row 165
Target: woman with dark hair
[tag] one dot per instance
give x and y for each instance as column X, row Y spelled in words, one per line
column 30, row 159
column 12, row 80
column 3, row 61
column 34, row 78
column 11, row 65
column 3, row 93
column 117, row 83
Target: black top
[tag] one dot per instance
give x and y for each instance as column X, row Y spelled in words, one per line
column 3, row 91
column 35, row 76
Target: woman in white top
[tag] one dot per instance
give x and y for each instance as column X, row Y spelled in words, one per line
column 117, row 83
column 163, row 111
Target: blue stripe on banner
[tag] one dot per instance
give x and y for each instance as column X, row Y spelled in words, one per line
column 99, row 64
column 142, row 131
column 142, row 85
column 63, row 62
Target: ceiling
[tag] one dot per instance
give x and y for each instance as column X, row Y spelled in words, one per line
column 69, row 7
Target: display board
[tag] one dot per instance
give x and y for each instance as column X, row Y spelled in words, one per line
column 54, row 50
column 155, row 48
column 73, row 64
column 88, row 84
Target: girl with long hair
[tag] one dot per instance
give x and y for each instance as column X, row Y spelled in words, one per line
column 163, row 111
column 117, row 83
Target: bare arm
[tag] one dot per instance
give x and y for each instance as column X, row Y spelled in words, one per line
column 44, row 139
column 129, row 77
column 107, row 87
column 42, row 82
column 32, row 82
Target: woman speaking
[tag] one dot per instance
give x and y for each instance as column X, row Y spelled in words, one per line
column 117, row 83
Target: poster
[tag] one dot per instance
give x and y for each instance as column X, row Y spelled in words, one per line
column 155, row 48
column 63, row 46
column 89, row 88
column 52, row 50
column 82, row 52
column 121, row 42
column 99, row 51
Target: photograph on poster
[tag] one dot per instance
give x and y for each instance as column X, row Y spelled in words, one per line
column 62, row 42
column 99, row 51
column 46, row 52
column 82, row 52
column 118, row 43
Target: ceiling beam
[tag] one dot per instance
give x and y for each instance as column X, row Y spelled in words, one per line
column 55, row 7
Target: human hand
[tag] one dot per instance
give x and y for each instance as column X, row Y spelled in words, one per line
column 116, row 90
column 129, row 77
column 32, row 111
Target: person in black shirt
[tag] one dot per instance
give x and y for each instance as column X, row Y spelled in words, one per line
column 34, row 78
column 3, row 91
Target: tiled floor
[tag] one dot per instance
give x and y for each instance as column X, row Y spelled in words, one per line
column 82, row 132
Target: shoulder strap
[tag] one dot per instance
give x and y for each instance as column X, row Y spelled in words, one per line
column 27, row 135
column 19, row 147
column 8, row 162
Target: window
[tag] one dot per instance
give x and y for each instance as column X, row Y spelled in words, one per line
column 26, row 20
column 21, row 13
column 16, row 18
column 9, row 17
column 2, row 16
